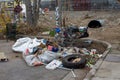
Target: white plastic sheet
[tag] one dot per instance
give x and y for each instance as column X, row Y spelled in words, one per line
column 23, row 43
column 45, row 57
column 48, row 56
column 31, row 59
column 53, row 64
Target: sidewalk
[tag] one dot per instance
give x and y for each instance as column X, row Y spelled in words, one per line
column 16, row 68
column 109, row 70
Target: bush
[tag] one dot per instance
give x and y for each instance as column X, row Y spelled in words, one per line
column 27, row 30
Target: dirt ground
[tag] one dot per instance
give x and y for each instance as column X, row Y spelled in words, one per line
column 110, row 31
column 111, row 27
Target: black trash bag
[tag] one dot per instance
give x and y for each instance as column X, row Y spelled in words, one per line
column 75, row 30
column 68, row 61
column 85, row 34
column 72, row 30
column 94, row 24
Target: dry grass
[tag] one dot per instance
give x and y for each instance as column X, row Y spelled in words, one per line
column 26, row 30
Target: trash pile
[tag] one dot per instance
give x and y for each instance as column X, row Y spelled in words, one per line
column 48, row 52
column 57, row 53
column 68, row 34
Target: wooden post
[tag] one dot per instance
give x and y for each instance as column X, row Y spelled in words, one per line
column 60, row 12
column 59, row 4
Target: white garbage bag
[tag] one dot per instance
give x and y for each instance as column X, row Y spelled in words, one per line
column 31, row 59
column 23, row 43
column 48, row 56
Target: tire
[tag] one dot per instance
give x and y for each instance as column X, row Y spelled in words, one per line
column 76, row 65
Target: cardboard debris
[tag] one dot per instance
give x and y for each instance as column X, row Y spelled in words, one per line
column 53, row 64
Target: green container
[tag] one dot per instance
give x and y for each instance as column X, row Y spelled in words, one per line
column 52, row 33
column 82, row 29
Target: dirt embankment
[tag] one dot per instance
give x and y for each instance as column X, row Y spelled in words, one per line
column 111, row 26
column 111, row 23
column 109, row 32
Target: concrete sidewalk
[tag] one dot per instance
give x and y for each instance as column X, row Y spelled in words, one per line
column 17, row 69
column 109, row 70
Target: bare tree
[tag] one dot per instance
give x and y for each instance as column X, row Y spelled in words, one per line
column 32, row 11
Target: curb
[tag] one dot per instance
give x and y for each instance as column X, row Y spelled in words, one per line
column 92, row 72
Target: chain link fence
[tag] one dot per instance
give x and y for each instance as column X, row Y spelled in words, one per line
column 83, row 5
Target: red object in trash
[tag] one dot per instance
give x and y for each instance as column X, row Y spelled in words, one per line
column 27, row 52
column 50, row 48
column 46, row 10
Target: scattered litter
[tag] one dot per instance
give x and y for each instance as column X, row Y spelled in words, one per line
column 64, row 54
column 46, row 33
column 88, row 41
column 50, row 48
column 17, row 56
column 93, row 51
column 93, row 57
column 82, row 29
column 102, row 21
column 3, row 58
column 48, row 56
column 100, row 55
column 53, row 64
column 85, row 51
column 76, row 50
column 73, row 73
column 89, row 65
column 32, row 59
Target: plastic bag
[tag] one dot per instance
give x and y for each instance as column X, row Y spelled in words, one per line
column 53, row 64
column 31, row 60
column 48, row 56
column 23, row 43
